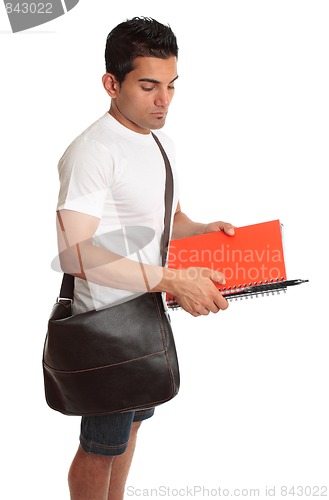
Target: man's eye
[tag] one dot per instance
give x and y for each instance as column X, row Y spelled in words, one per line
column 147, row 89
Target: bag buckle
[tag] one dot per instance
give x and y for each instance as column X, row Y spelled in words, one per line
column 64, row 300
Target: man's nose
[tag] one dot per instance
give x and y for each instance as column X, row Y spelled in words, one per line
column 162, row 97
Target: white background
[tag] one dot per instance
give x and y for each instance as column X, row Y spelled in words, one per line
column 250, row 123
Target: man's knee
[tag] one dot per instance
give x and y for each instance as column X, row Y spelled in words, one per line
column 83, row 461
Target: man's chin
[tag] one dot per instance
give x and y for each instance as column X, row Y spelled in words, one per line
column 158, row 124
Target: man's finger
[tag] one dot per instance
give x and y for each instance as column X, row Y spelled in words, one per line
column 218, row 277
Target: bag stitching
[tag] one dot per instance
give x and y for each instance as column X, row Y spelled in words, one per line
column 160, row 321
column 103, row 366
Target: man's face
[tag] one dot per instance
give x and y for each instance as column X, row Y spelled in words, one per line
column 141, row 102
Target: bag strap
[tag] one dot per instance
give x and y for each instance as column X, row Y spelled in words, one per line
column 67, row 286
column 169, row 191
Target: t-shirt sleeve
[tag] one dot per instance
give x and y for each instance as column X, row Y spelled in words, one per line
column 85, row 175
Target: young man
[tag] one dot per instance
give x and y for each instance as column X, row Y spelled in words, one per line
column 112, row 177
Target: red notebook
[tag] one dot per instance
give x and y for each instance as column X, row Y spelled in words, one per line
column 252, row 257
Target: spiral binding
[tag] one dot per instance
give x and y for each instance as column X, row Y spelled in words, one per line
column 250, row 290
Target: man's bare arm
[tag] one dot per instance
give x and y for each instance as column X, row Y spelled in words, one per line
column 184, row 227
column 81, row 257
column 193, row 288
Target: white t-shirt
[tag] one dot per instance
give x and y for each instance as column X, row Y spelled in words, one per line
column 118, row 176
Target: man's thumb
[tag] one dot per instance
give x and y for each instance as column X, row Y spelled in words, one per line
column 218, row 277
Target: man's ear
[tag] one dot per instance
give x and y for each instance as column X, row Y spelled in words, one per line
column 111, row 85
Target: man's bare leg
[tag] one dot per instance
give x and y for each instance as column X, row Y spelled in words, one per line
column 89, row 476
column 121, row 466
column 99, row 477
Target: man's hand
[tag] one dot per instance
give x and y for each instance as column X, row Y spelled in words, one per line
column 195, row 291
column 193, row 288
column 219, row 226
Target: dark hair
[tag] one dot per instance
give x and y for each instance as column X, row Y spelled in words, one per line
column 139, row 36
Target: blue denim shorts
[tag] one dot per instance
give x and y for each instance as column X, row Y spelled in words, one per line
column 109, row 434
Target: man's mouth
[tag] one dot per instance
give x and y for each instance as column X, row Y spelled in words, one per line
column 159, row 114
